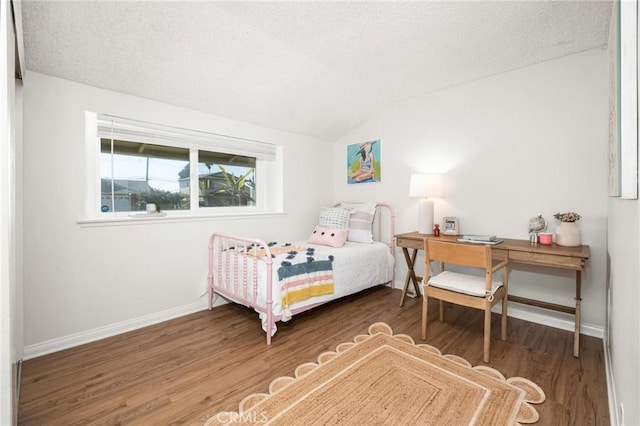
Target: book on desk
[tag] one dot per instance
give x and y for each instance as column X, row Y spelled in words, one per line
column 479, row 239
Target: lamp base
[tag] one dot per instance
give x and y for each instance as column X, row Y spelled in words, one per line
column 425, row 217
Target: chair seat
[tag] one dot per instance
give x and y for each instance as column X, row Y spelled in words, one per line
column 463, row 283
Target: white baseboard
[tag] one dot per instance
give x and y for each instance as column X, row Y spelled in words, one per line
column 614, row 418
column 55, row 345
column 516, row 310
column 542, row 316
column 551, row 318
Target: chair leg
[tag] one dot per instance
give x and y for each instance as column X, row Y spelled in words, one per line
column 425, row 303
column 505, row 301
column 487, row 334
column 441, row 310
column 504, row 318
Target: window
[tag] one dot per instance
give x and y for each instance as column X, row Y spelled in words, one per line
column 134, row 174
column 133, row 164
column 226, row 180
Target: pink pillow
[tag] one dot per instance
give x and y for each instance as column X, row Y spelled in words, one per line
column 328, row 237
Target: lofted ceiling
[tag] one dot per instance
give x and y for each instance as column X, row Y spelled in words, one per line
column 317, row 68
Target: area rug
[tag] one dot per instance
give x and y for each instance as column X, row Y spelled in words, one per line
column 381, row 379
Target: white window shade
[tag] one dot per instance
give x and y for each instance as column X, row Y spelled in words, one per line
column 130, row 130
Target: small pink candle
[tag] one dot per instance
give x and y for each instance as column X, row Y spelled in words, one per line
column 546, row 238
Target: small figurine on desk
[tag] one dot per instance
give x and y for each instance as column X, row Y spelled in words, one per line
column 536, row 225
column 436, row 230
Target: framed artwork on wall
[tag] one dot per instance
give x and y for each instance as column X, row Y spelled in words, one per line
column 623, row 100
column 614, row 104
column 628, row 98
column 364, row 162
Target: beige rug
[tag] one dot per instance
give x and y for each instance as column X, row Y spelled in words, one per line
column 385, row 379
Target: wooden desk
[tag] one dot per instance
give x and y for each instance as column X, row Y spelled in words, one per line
column 517, row 251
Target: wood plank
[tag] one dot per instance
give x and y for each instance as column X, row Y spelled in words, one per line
column 410, row 243
column 551, row 260
column 188, row 369
column 545, row 305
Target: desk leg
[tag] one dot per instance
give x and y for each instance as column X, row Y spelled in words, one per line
column 411, row 275
column 576, row 334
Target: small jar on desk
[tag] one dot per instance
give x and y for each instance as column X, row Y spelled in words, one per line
column 436, row 230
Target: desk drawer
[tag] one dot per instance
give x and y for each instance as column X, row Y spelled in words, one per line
column 556, row 261
column 410, row 243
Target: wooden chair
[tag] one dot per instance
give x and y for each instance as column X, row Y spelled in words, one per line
column 462, row 288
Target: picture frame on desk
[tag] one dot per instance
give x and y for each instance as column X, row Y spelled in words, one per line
column 450, row 226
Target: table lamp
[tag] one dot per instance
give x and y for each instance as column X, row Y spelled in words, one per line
column 425, row 186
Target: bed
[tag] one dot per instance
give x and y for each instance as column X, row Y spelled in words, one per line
column 281, row 279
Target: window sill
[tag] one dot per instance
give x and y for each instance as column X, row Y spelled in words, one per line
column 157, row 219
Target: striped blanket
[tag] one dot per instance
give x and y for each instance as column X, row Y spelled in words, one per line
column 302, row 273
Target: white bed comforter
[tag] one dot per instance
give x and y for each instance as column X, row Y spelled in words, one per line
column 356, row 266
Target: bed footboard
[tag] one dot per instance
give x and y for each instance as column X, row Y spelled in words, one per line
column 235, row 265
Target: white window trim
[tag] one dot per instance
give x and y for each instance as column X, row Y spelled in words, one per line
column 157, row 220
column 269, row 173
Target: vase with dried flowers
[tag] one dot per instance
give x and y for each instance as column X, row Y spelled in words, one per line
column 567, row 232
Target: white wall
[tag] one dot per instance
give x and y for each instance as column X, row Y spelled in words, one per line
column 512, row 146
column 623, row 331
column 82, row 283
column 624, row 320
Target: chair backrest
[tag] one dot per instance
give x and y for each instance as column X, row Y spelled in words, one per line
column 478, row 256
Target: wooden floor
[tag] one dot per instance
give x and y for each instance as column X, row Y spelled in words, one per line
column 186, row 370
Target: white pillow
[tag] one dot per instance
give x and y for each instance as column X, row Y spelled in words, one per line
column 361, row 221
column 334, row 218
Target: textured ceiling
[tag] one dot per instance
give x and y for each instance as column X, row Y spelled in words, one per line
column 315, row 68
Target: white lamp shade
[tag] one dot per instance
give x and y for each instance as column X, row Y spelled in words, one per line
column 425, row 185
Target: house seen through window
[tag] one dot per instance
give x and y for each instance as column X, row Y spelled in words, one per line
column 179, row 170
column 135, row 174
column 226, row 180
